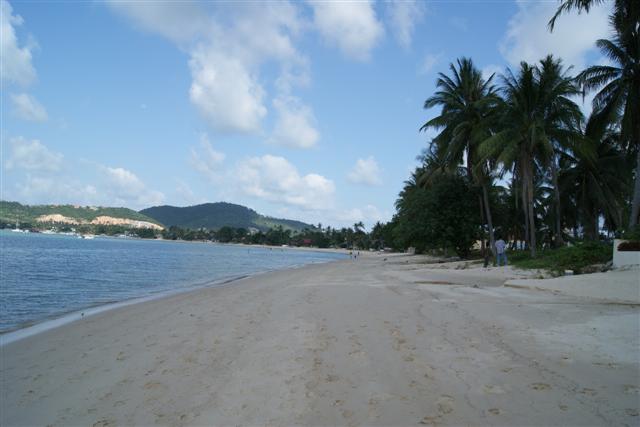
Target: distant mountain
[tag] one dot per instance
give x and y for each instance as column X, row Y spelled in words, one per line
column 214, row 216
column 12, row 212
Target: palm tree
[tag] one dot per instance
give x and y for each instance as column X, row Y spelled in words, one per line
column 619, row 84
column 468, row 103
column 619, row 97
column 537, row 115
column 563, row 118
column 628, row 10
column 596, row 177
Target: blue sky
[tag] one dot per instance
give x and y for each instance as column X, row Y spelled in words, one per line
column 305, row 110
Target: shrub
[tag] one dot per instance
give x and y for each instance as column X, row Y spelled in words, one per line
column 574, row 258
column 629, row 246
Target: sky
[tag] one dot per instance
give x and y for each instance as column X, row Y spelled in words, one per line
column 297, row 109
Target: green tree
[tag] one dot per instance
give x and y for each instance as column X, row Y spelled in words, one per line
column 619, row 84
column 595, row 177
column 562, row 117
column 535, row 115
column 468, row 111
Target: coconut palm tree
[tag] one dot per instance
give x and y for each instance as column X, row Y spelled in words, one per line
column 563, row 118
column 628, row 11
column 618, row 99
column 595, row 177
column 468, row 110
column 536, row 116
column 619, row 83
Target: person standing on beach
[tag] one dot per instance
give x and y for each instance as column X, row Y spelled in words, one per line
column 500, row 251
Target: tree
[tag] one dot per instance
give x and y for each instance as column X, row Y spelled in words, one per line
column 562, row 117
column 618, row 99
column 535, row 113
column 619, row 84
column 468, row 110
column 595, row 177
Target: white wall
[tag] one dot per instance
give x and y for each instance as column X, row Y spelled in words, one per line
column 624, row 258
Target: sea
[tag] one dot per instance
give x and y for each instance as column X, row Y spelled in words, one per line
column 51, row 276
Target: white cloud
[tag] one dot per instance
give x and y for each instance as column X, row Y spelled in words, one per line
column 225, row 92
column 430, row 60
column 206, row 160
column 404, row 15
column 187, row 195
column 227, row 51
column 127, row 189
column 295, row 126
column 366, row 172
column 528, row 38
column 274, row 179
column 180, row 21
column 16, row 60
column 28, row 108
column 493, row 69
column 48, row 189
column 352, row 26
column 32, row 155
column 369, row 214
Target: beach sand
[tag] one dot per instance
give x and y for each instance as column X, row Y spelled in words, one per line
column 366, row 342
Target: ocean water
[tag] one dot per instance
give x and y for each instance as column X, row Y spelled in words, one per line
column 44, row 276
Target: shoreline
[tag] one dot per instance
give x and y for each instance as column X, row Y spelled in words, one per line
column 62, row 319
column 57, row 321
column 377, row 341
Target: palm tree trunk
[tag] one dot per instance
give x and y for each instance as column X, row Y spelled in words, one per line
column 554, row 176
column 532, row 223
column 635, row 204
column 487, row 208
column 482, row 239
column 526, row 212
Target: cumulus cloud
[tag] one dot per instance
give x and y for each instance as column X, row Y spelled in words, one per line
column 366, row 172
column 32, row 155
column 166, row 18
column 352, row 26
column 49, row 189
column 225, row 92
column 430, row 60
column 16, row 58
column 403, row 16
column 528, row 38
column 126, row 188
column 227, row 51
column 28, row 108
column 206, row 160
column 492, row 70
column 295, row 126
column 274, row 179
column 369, row 214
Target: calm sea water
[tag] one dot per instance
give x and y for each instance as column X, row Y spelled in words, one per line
column 45, row 276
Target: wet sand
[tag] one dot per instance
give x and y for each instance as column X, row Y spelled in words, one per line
column 366, row 342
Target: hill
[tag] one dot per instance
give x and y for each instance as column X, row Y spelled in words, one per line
column 213, row 216
column 12, row 212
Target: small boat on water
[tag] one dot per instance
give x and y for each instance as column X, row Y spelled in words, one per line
column 87, row 236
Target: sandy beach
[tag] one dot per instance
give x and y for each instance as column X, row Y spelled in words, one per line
column 383, row 340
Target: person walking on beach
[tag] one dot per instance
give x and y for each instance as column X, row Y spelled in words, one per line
column 500, row 251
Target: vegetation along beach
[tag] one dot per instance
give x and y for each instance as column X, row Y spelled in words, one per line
column 286, row 213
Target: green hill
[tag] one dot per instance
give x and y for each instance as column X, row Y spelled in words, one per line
column 213, row 216
column 12, row 212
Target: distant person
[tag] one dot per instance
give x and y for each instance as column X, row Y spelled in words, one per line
column 500, row 251
column 486, row 254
